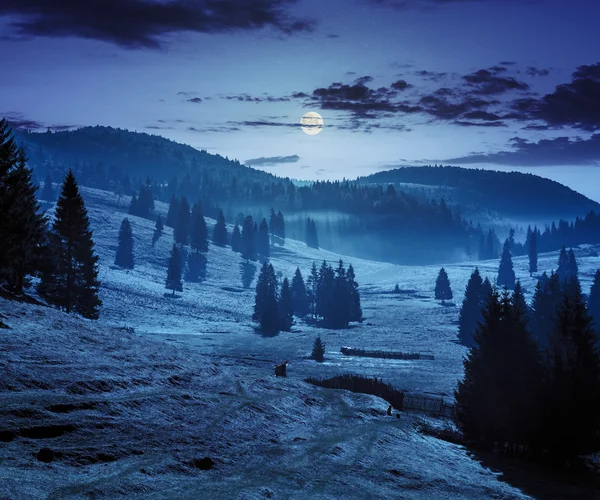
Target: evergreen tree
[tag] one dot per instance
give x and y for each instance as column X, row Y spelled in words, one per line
column 533, row 254
column 519, row 303
column 198, row 230
column 173, row 212
column 145, row 201
column 337, row 310
column 312, row 284
column 266, row 307
column 220, row 237
column 158, row 229
column 181, row 231
column 48, row 191
column 470, row 311
column 133, row 206
column 72, row 281
column 506, row 273
column 546, row 299
column 196, row 267
column 124, row 257
column 324, row 299
column 563, row 265
column 263, row 246
column 249, row 239
column 497, row 401
column 573, row 268
column 286, row 307
column 573, row 421
column 443, row 291
column 299, row 295
column 396, row 288
column 173, row 281
column 311, row 237
column 281, row 227
column 486, row 291
column 318, row 350
column 594, row 303
column 355, row 307
column 236, row 239
column 22, row 226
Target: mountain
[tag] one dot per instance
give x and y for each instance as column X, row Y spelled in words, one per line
column 509, row 194
column 133, row 153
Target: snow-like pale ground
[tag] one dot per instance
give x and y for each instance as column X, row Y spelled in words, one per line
column 195, row 379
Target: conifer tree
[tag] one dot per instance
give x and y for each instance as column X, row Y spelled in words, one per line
column 573, row 268
column 266, row 307
column 506, row 273
column 249, row 239
column 22, row 226
column 563, row 265
column 312, row 284
column 195, row 271
column 236, row 239
column 396, row 288
column 181, row 231
column 72, row 281
column 48, row 191
column 533, row 254
column 299, row 295
column 173, row 281
column 519, row 303
column 311, row 238
column 220, row 237
column 173, row 212
column 198, row 230
column 486, row 291
column 124, row 257
column 158, row 229
column 286, row 307
column 354, row 298
column 443, row 291
column 263, row 246
column 133, row 206
column 318, row 350
column 470, row 311
column 594, row 304
column 336, row 311
column 546, row 299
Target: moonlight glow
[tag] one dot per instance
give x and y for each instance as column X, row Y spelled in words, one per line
column 312, row 123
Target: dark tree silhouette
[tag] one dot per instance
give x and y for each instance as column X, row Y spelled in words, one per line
column 443, row 291
column 594, row 304
column 158, row 229
column 318, row 350
column 249, row 239
column 263, row 245
column 470, row 311
column 354, row 296
column 198, row 230
column 173, row 212
column 311, row 239
column 181, row 232
column 220, row 237
column 563, row 270
column 236, row 239
column 532, row 250
column 286, row 307
column 266, row 307
column 299, row 295
column 506, row 273
column 72, row 281
column 124, row 257
column 173, row 281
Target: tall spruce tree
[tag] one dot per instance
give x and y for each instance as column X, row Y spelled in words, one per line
column 181, row 231
column 546, row 299
column 354, row 298
column 266, row 307
column 72, row 281
column 299, row 295
column 249, row 239
column 573, row 406
column 22, row 226
column 563, row 265
column 158, row 229
column 470, row 311
column 312, row 284
column 533, row 254
column 220, row 237
column 573, row 268
column 124, row 257
column 443, row 291
column 263, row 245
column 311, row 239
column 198, row 230
column 236, row 239
column 497, row 401
column 172, row 214
column 286, row 307
column 173, row 281
column 594, row 304
column 506, row 273
column 318, row 350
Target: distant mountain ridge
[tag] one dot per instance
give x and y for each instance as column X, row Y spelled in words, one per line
column 511, row 194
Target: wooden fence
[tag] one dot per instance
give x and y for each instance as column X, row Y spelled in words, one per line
column 350, row 351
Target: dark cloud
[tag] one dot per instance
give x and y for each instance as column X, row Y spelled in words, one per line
column 417, row 4
column 145, row 23
column 574, row 104
column 547, row 152
column 195, row 100
column 18, row 121
column 434, row 76
column 249, row 98
column 533, row 71
column 271, row 161
column 332, row 35
column 464, row 123
column 487, row 82
column 400, row 85
column 507, row 63
column 362, row 80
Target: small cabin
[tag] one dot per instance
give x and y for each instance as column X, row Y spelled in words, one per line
column 280, row 370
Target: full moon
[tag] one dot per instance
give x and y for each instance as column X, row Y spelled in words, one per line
column 312, row 123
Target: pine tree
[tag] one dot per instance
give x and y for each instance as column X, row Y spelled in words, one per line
column 158, row 229
column 220, row 237
column 571, row 427
column 337, row 310
column 311, row 238
column 249, row 239
column 519, row 303
column 286, row 307
column 72, row 282
column 133, row 206
column 22, row 226
column 312, row 284
column 546, row 299
column 181, row 232
column 173, row 212
column 173, row 281
column 573, row 268
column 48, row 191
column 198, row 230
column 318, row 350
column 594, row 304
column 299, row 295
column 497, row 401
column 470, row 311
column 443, row 291
column 236, row 239
column 355, row 307
column 124, row 257
column 486, row 291
column 263, row 246
column 506, row 273
column 533, row 255
column 563, row 265
column 396, row 288
column 266, row 307
column 195, row 271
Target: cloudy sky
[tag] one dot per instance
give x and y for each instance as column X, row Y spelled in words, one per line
column 506, row 84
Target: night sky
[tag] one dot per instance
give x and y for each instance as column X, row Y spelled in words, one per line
column 501, row 84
